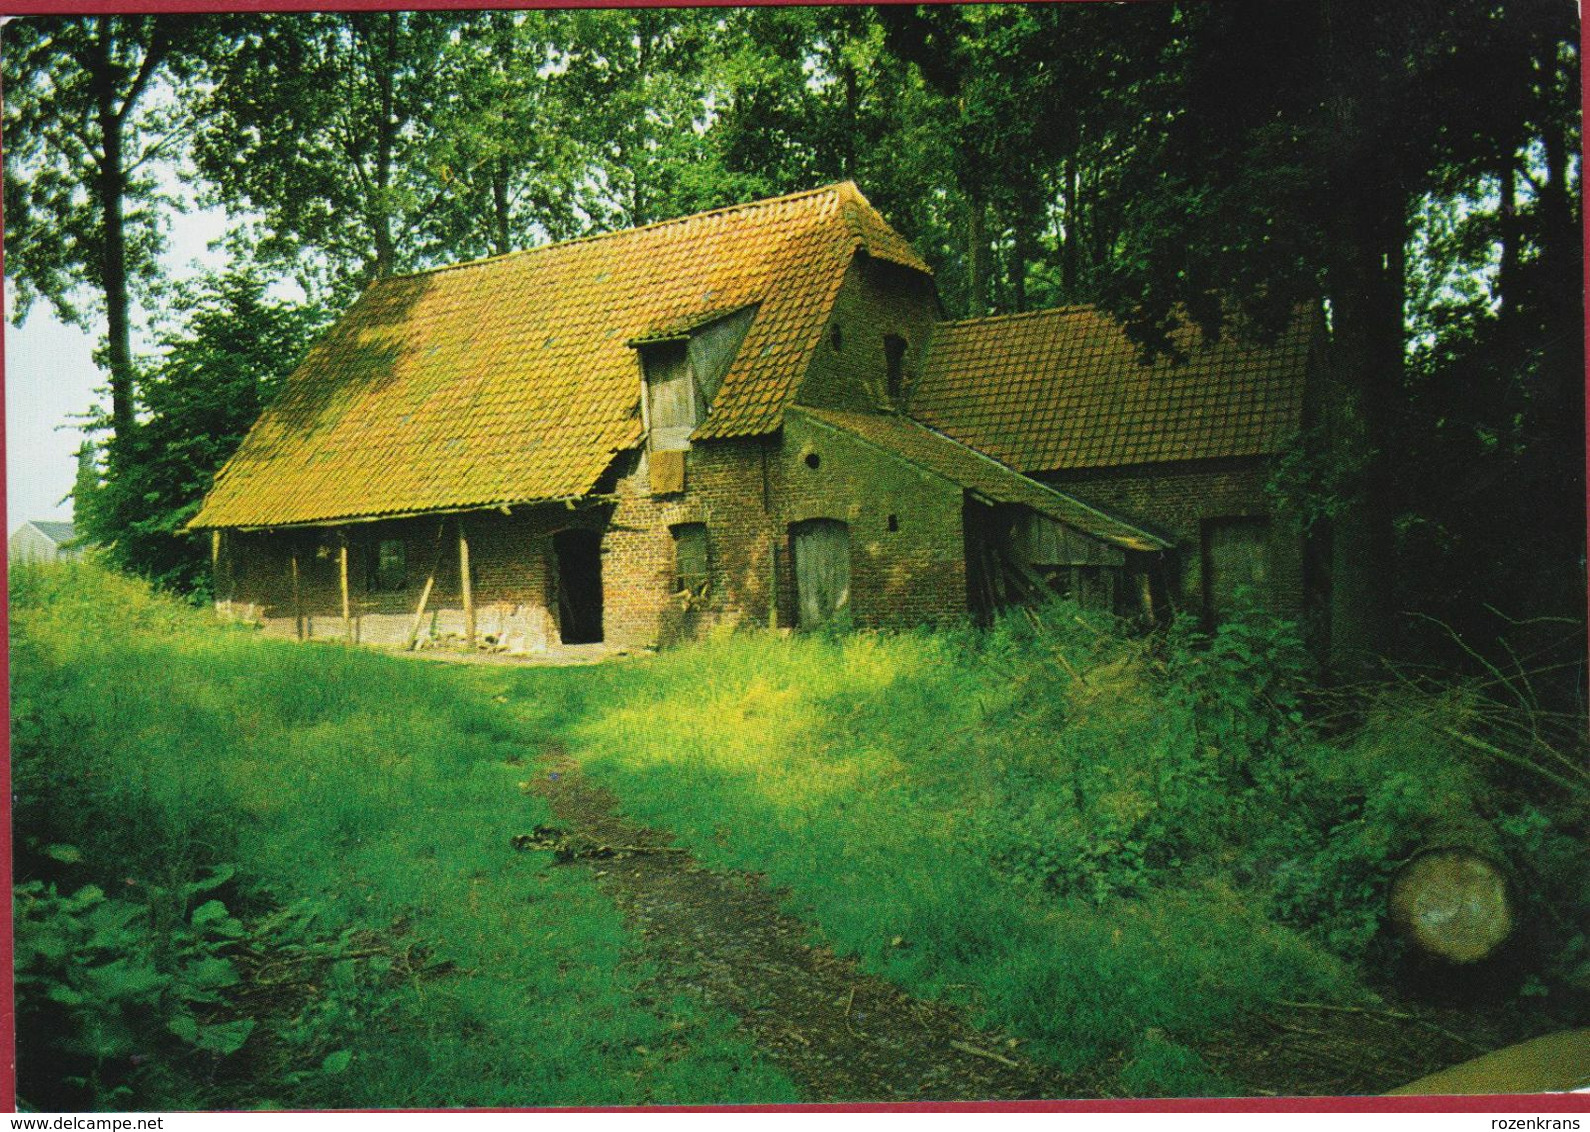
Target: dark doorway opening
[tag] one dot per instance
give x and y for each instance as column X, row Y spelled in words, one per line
column 579, row 554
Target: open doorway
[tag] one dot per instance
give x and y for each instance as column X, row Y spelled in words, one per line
column 579, row 556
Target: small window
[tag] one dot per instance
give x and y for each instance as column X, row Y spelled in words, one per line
column 673, row 404
column 894, row 365
column 388, row 566
column 837, row 337
column 690, row 558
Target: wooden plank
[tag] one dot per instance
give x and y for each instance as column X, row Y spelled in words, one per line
column 342, row 569
column 298, row 604
column 822, row 571
column 425, row 594
column 667, row 472
column 465, row 586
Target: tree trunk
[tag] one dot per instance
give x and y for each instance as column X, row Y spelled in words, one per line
column 847, row 154
column 1507, row 271
column 976, row 254
column 1020, row 254
column 1452, row 904
column 386, row 129
column 500, row 239
column 1365, row 367
column 111, row 188
column 1071, row 247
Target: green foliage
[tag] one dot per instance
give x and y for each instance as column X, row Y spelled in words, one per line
column 222, row 360
column 125, row 1003
column 366, row 804
column 56, row 221
column 1084, row 835
column 1161, row 1068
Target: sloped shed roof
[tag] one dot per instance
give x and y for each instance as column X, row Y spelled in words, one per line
column 1066, row 388
column 56, row 531
column 949, row 459
column 510, row 380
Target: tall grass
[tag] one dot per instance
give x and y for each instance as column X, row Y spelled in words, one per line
column 370, row 791
column 1113, row 847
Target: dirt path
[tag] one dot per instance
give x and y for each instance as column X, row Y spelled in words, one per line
column 719, row 937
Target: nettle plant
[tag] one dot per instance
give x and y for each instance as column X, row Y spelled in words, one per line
column 117, row 1002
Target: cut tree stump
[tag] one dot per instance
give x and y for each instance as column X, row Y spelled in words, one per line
column 1452, row 904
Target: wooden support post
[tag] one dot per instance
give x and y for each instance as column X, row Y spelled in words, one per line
column 342, row 566
column 1146, row 594
column 465, row 586
column 425, row 594
column 298, row 601
column 215, row 567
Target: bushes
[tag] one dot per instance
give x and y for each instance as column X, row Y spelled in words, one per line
column 1112, row 845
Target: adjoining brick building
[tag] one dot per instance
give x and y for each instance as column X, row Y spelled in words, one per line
column 754, row 416
column 1185, row 443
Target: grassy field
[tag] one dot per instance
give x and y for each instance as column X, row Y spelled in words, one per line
column 262, row 873
column 1115, row 847
column 360, row 810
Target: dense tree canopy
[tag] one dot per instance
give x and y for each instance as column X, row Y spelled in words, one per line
column 1221, row 162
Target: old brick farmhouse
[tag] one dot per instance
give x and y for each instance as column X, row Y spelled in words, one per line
column 754, row 416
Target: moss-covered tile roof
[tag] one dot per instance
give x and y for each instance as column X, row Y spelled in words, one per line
column 1066, row 388
column 949, row 459
column 512, row 379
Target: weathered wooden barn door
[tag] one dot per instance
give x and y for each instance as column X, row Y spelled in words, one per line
column 822, row 570
column 579, row 565
column 1236, row 557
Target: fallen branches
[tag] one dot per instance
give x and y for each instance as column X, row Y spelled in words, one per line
column 1393, row 1015
column 966, row 1047
column 565, row 849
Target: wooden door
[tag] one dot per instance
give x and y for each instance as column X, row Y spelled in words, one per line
column 822, row 571
column 1236, row 559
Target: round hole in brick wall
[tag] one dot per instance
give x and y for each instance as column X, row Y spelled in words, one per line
column 813, row 461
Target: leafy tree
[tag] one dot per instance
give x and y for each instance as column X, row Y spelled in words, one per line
column 83, row 129
column 319, row 122
column 636, row 78
column 1298, row 143
column 514, row 174
column 222, row 361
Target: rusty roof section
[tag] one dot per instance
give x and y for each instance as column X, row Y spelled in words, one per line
column 511, row 380
column 1066, row 388
column 949, row 459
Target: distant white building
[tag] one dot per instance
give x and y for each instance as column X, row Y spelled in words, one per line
column 40, row 540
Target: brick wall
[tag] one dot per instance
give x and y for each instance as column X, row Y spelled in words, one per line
column 911, row 575
column 748, row 493
column 876, row 299
column 1177, row 498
